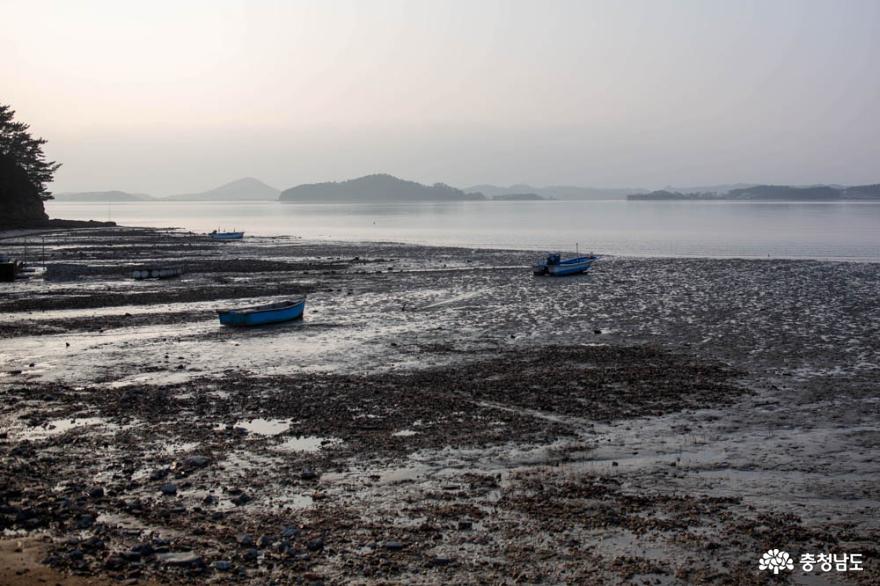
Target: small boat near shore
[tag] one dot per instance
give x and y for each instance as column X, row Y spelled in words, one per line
column 156, row 273
column 263, row 314
column 217, row 235
column 555, row 266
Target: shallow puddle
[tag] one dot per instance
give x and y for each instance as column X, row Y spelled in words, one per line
column 404, row 433
column 264, row 426
column 59, row 426
column 307, row 443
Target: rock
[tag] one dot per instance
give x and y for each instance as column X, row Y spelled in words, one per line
column 96, row 492
column 289, row 532
column 222, row 565
column 597, row 331
column 393, row 545
column 241, row 499
column 252, row 554
column 85, row 521
column 179, row 558
column 308, row 474
column 196, row 461
column 143, row 549
column 93, row 543
column 159, row 474
column 465, row 525
column 169, row 489
column 264, row 541
column 315, row 544
column 244, row 540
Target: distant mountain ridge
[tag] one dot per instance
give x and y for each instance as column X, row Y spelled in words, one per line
column 102, row 196
column 771, row 193
column 376, row 188
column 245, row 189
column 566, row 192
column 519, row 197
column 387, row 188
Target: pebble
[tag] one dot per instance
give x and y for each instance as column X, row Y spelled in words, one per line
column 308, row 474
column 222, row 565
column 169, row 489
column 85, row 521
column 241, row 499
column 289, row 532
column 252, row 554
column 196, row 461
column 179, row 558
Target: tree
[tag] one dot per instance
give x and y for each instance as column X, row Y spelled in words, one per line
column 17, row 143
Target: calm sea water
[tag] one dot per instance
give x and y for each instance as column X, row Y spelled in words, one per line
column 715, row 229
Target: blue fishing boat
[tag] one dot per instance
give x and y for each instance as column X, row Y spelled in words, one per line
column 263, row 314
column 226, row 235
column 554, row 266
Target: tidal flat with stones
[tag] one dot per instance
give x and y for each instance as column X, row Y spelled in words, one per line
column 439, row 415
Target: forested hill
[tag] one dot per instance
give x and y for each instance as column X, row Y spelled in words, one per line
column 376, row 188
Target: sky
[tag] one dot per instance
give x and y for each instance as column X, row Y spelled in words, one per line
column 180, row 96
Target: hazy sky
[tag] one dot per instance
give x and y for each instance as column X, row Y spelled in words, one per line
column 164, row 97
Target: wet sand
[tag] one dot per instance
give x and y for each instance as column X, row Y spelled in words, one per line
column 439, row 415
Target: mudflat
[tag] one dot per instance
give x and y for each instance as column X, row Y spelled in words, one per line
column 440, row 415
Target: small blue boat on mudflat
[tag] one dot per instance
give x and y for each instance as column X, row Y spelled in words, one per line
column 263, row 314
column 226, row 235
column 554, row 266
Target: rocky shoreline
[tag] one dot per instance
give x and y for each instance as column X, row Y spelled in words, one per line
column 440, row 415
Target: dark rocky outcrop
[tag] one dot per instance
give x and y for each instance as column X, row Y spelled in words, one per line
column 376, row 188
column 20, row 202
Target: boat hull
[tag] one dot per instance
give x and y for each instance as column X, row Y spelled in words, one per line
column 227, row 235
column 564, row 268
column 258, row 316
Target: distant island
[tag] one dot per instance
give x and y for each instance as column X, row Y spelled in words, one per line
column 769, row 193
column 518, row 197
column 666, row 195
column 387, row 188
column 565, row 192
column 376, row 188
column 245, row 189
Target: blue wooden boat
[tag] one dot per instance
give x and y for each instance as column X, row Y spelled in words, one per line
column 554, row 266
column 226, row 235
column 263, row 314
